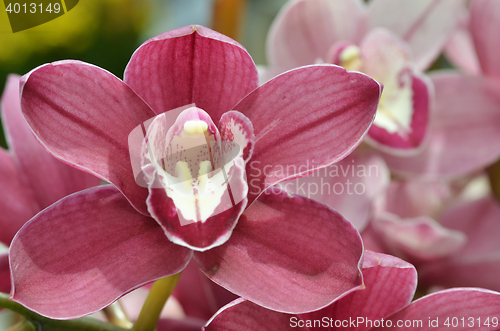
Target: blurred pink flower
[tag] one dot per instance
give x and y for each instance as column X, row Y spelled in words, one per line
column 118, row 237
column 391, row 41
column 466, row 121
column 453, row 241
column 385, row 302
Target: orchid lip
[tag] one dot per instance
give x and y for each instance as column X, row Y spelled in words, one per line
column 191, row 163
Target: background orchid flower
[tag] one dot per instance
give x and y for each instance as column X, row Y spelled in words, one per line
column 83, row 115
column 449, row 234
column 407, row 220
column 474, row 48
column 466, row 121
column 31, row 178
column 378, row 39
column 390, row 285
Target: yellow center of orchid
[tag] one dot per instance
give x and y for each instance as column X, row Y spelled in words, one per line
column 350, row 58
column 195, row 127
column 395, row 107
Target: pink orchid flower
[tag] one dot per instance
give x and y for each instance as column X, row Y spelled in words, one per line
column 390, row 41
column 276, row 250
column 452, row 240
column 31, row 178
column 466, row 121
column 384, row 303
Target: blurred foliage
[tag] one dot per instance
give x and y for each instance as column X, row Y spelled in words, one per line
column 101, row 32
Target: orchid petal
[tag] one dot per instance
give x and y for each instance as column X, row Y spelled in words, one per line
column 478, row 262
column 4, row 273
column 286, row 246
column 87, row 250
column 484, row 26
column 426, row 26
column 16, row 205
column 303, row 31
column 189, row 65
column 348, row 186
column 414, row 198
column 47, row 178
column 460, row 48
column 245, row 315
column 460, row 139
column 198, row 295
column 400, row 125
column 390, row 284
column 469, row 304
column 83, row 114
column 421, row 237
column 306, row 119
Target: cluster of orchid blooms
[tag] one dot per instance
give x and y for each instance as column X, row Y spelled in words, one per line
column 202, row 186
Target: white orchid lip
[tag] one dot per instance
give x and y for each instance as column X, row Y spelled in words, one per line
column 194, row 167
column 395, row 110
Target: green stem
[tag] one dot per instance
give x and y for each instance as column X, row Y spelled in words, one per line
column 47, row 324
column 116, row 315
column 158, row 295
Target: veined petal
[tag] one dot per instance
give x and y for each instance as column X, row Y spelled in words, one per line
column 16, row 203
column 460, row 140
column 189, row 65
column 471, row 304
column 349, row 186
column 87, row 250
column 287, row 247
column 47, row 178
column 484, row 26
column 4, row 273
column 477, row 263
column 390, row 284
column 306, row 119
column 83, row 115
column 304, row 30
column 401, row 122
column 426, row 26
column 419, row 238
